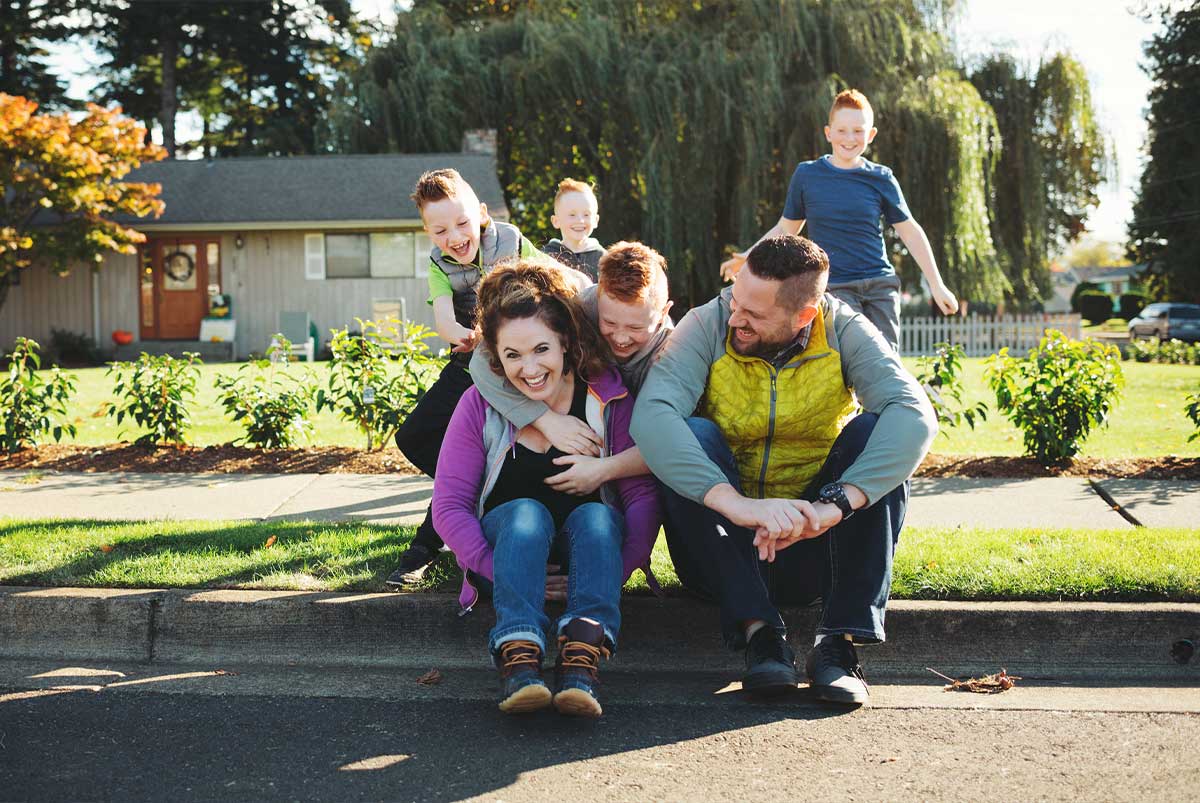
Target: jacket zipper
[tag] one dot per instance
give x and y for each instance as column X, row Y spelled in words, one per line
column 762, row 474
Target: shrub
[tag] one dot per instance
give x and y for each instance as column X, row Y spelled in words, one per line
column 1058, row 393
column 378, row 375
column 940, row 375
column 1079, row 290
column 28, row 401
column 1131, row 303
column 272, row 405
column 73, row 349
column 1095, row 306
column 155, row 392
column 1170, row 352
column 1192, row 411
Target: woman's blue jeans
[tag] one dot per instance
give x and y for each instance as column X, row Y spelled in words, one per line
column 522, row 533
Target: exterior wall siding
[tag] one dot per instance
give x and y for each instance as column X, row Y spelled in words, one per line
column 266, row 277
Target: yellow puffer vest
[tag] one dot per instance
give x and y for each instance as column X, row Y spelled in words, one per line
column 780, row 424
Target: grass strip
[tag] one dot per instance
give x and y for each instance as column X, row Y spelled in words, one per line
column 1125, row 565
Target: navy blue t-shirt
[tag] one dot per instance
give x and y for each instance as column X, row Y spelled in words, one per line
column 842, row 209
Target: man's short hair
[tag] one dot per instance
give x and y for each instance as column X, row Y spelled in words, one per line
column 438, row 185
column 798, row 263
column 851, row 99
column 633, row 272
column 569, row 185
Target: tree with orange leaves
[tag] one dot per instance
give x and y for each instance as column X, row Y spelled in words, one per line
column 61, row 185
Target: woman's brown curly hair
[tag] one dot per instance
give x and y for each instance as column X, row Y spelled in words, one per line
column 534, row 287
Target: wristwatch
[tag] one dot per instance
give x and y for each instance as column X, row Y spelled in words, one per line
column 835, row 494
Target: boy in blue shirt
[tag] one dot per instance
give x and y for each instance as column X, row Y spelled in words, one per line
column 841, row 197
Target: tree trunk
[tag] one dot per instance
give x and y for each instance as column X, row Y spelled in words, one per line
column 170, row 52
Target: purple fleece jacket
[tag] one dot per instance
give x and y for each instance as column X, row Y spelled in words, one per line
column 462, row 470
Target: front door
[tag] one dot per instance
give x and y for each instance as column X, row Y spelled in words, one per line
column 174, row 287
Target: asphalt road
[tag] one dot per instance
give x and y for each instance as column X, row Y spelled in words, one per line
column 180, row 734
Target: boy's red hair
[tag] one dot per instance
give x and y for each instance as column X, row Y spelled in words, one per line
column 851, row 99
column 631, row 272
column 571, row 185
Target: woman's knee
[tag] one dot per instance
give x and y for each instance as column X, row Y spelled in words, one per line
column 527, row 521
column 596, row 523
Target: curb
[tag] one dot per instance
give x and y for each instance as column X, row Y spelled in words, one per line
column 1070, row 641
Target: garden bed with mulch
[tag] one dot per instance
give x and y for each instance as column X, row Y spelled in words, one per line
column 345, row 460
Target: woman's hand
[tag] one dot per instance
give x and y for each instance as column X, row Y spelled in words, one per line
column 556, row 584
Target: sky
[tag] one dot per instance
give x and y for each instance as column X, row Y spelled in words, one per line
column 1103, row 35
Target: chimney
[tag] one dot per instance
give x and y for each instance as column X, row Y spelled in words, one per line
column 480, row 141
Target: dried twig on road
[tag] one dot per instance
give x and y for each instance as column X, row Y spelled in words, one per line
column 430, row 678
column 988, row 684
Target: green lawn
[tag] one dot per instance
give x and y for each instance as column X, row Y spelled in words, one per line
column 1147, row 422
column 932, row 563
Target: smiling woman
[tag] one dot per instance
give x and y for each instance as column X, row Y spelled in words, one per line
column 496, row 501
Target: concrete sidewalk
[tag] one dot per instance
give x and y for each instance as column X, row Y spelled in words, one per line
column 382, row 499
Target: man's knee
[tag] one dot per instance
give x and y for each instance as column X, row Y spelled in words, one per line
column 854, row 436
column 709, row 435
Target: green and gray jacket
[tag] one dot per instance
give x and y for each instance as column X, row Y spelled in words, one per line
column 781, row 423
column 447, row 276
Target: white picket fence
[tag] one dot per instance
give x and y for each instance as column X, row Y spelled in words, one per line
column 980, row 335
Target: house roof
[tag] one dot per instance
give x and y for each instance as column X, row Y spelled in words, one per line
column 259, row 191
column 1107, row 273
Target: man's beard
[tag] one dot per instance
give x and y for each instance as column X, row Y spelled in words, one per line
column 763, row 348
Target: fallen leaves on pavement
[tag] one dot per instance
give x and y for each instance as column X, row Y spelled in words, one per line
column 430, row 678
column 988, row 684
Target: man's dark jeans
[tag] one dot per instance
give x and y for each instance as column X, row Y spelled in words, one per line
column 849, row 567
column 420, row 436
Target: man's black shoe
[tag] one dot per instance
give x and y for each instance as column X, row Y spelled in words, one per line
column 834, row 672
column 413, row 565
column 770, row 664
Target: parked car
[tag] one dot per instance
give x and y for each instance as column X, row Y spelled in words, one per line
column 1166, row 321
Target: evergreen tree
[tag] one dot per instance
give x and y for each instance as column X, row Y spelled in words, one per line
column 1165, row 232
column 23, row 70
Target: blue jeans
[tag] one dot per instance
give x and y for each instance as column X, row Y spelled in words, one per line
column 849, row 567
column 522, row 533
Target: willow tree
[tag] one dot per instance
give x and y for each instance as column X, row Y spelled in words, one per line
column 1053, row 159
column 690, row 117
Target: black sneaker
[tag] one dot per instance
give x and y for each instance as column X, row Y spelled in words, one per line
column 770, row 664
column 415, row 561
column 834, row 672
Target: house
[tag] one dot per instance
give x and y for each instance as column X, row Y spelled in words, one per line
column 1111, row 280
column 334, row 236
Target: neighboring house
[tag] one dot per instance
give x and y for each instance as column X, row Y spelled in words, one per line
column 1113, row 281
column 334, row 236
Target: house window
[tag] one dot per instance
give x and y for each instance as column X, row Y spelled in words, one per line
column 392, row 255
column 347, row 256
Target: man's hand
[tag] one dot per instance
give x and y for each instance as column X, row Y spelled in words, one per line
column 770, row 519
column 465, row 339
column 731, row 266
column 825, row 515
column 584, row 476
column 556, row 584
column 568, row 434
column 945, row 300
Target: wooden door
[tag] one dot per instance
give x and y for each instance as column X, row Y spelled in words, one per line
column 174, row 288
